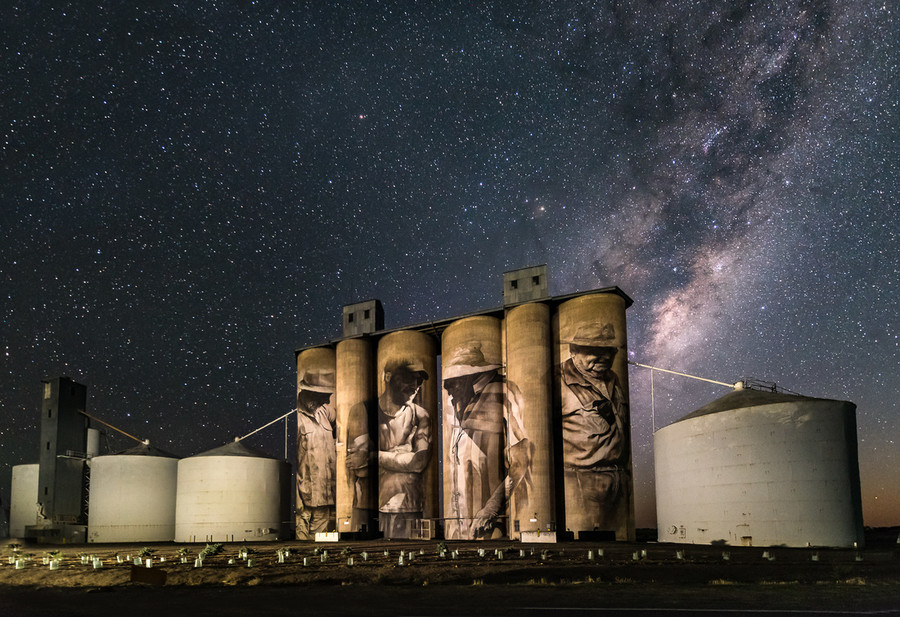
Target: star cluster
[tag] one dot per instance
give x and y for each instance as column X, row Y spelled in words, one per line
column 192, row 192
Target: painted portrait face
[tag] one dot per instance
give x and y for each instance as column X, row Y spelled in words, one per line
column 459, row 389
column 308, row 401
column 403, row 385
column 593, row 360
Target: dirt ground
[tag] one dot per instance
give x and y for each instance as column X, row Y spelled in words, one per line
column 573, row 574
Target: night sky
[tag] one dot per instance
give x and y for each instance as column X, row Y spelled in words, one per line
column 192, row 191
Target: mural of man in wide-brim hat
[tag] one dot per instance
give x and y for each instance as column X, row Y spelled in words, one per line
column 316, row 455
column 404, row 447
column 479, row 396
column 594, row 430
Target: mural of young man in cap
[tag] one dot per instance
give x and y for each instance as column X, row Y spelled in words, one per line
column 404, row 444
column 595, row 432
column 316, row 456
column 478, row 395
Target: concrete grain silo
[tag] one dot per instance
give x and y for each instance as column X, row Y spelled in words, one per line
column 357, row 464
column 23, row 510
column 407, row 434
column 758, row 468
column 132, row 497
column 232, row 494
column 316, row 448
column 591, row 391
column 528, row 353
column 474, row 405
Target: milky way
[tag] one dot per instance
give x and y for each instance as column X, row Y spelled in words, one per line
column 191, row 193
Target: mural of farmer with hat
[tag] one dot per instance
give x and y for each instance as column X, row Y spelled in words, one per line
column 404, row 444
column 316, row 456
column 478, row 490
column 594, row 431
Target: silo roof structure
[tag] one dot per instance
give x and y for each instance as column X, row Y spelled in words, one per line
column 235, row 448
column 145, row 449
column 760, row 468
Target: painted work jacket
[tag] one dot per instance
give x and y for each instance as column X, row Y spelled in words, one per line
column 476, row 454
column 404, row 443
column 316, row 457
column 593, row 421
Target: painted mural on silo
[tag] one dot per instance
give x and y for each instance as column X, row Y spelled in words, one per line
column 316, row 455
column 482, row 430
column 357, row 478
column 407, row 409
column 594, row 415
column 529, row 359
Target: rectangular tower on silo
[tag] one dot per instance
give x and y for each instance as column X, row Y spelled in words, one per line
column 363, row 318
column 525, row 284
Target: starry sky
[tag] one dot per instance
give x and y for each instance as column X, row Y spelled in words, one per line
column 191, row 191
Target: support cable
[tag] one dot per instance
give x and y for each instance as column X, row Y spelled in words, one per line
column 278, row 419
column 84, row 413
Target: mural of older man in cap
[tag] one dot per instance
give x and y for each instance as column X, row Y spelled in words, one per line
column 404, row 444
column 595, row 432
column 316, row 455
column 478, row 395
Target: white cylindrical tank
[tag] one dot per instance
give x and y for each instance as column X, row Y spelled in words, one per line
column 132, row 496
column 23, row 508
column 758, row 468
column 93, row 443
column 232, row 493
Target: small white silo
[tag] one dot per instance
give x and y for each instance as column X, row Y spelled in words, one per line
column 23, row 508
column 758, row 468
column 232, row 493
column 132, row 496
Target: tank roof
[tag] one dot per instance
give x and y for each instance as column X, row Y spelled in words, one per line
column 235, row 448
column 145, row 449
column 747, row 397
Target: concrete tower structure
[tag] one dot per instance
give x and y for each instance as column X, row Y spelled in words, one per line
column 63, row 480
column 357, row 438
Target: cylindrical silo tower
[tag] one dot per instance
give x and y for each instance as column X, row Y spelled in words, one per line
column 357, row 467
column 316, row 448
column 24, row 509
column 407, row 434
column 132, row 496
column 592, row 399
column 474, row 400
column 759, row 468
column 530, row 428
column 232, row 493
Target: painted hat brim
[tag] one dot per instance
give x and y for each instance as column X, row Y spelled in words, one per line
column 462, row 370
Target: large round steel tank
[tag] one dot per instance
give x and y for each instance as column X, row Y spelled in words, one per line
column 132, row 496
column 591, row 392
column 759, row 468
column 23, row 507
column 232, row 493
column 529, row 368
column 357, row 470
column 407, row 434
column 474, row 391
column 316, row 449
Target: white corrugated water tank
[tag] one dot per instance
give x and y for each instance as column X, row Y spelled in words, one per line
column 758, row 468
column 23, row 508
column 232, row 493
column 132, row 496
